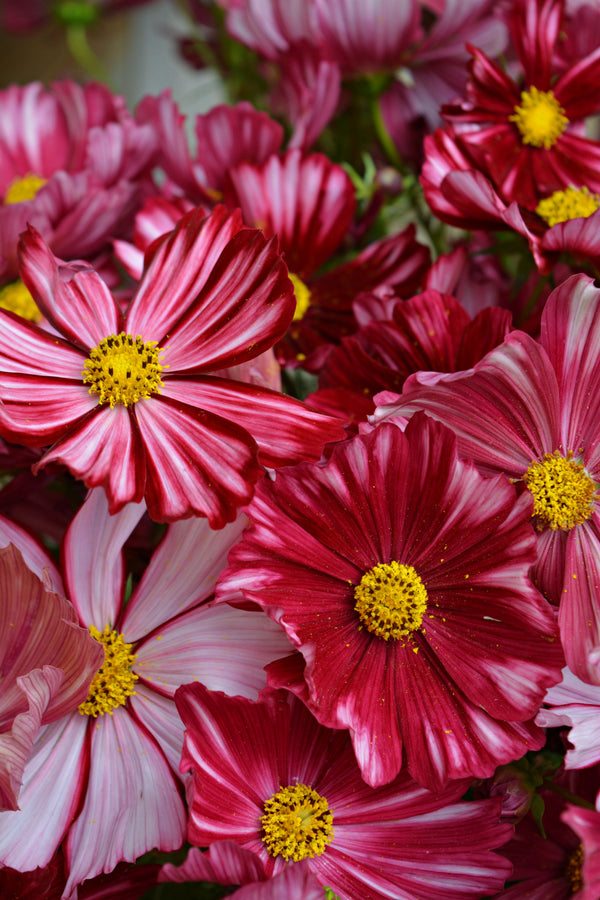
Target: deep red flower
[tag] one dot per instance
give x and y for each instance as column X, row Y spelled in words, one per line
column 526, row 135
column 530, row 410
column 401, row 576
column 255, row 764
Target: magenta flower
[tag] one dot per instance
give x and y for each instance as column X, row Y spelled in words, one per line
column 104, row 779
column 309, row 203
column 268, row 776
column 71, row 158
column 531, row 411
column 129, row 402
column 400, row 574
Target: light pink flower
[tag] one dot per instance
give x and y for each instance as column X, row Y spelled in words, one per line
column 104, row 779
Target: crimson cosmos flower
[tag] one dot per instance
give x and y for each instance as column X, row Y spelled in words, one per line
column 268, row 776
column 527, row 136
column 400, row 574
column 531, row 410
column 128, row 401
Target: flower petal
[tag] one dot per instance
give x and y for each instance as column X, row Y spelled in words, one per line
column 53, row 780
column 93, row 558
column 132, row 803
column 104, row 448
column 183, row 572
column 198, row 463
column 71, row 296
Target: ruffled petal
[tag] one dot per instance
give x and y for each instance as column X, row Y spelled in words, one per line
column 39, row 687
column 105, row 449
column 72, row 297
column 198, row 463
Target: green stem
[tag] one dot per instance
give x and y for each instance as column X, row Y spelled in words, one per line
column 383, row 134
column 83, row 54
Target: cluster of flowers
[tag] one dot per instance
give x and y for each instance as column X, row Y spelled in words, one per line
column 340, row 646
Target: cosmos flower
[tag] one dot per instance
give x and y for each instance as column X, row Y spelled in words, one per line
column 268, row 776
column 129, row 401
column 530, row 410
column 401, row 576
column 71, row 159
column 103, row 779
column 309, row 203
column 526, row 135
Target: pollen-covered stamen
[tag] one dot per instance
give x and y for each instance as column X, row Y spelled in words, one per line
column 540, row 118
column 302, row 295
column 24, row 188
column 124, row 369
column 573, row 203
column 573, row 869
column 113, row 682
column 391, row 600
column 563, row 492
column 16, row 298
column 297, row 823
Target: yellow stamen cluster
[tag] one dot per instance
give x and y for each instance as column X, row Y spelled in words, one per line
column 16, row 298
column 25, row 188
column 123, row 369
column 540, row 118
column 562, row 490
column 573, row 870
column 391, row 600
column 297, row 823
column 113, row 682
column 561, row 206
column 302, row 294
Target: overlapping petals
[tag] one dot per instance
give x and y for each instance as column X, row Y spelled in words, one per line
column 213, row 295
column 241, row 754
column 316, row 532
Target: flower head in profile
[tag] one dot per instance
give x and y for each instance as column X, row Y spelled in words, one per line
column 401, row 576
column 129, row 401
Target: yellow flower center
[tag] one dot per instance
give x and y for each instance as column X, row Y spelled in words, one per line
column 302, row 294
column 113, row 682
column 16, row 298
column 24, row 188
column 574, row 203
column 540, row 118
column 123, row 369
column 297, row 823
column 391, row 600
column 562, row 490
column 573, row 870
